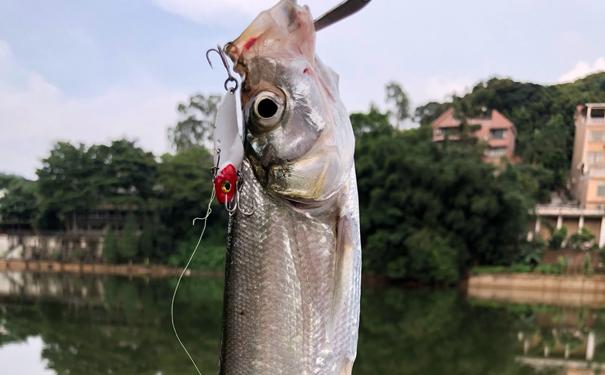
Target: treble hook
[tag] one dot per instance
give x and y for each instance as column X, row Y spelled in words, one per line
column 230, row 77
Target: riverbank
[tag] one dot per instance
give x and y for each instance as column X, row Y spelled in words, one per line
column 531, row 288
column 130, row 270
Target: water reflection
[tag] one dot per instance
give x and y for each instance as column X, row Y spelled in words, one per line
column 91, row 325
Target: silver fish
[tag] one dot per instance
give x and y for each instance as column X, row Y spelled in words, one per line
column 293, row 272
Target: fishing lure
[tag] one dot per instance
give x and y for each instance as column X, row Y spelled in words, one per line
column 228, row 144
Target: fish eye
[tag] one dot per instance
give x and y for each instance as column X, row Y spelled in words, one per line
column 268, row 109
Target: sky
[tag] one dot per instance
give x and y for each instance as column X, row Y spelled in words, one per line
column 92, row 71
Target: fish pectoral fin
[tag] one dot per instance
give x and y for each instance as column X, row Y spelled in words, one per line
column 346, row 267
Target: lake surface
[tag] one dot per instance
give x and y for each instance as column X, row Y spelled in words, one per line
column 69, row 324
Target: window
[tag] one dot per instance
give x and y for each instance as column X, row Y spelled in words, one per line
column 497, row 133
column 597, row 136
column 601, row 190
column 597, row 114
column 595, row 157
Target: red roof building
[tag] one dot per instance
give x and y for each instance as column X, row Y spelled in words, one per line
column 497, row 131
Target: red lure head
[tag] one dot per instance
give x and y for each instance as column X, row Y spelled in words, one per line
column 225, row 184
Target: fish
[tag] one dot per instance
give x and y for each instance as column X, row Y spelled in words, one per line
column 293, row 264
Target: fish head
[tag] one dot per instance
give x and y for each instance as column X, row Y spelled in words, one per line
column 299, row 138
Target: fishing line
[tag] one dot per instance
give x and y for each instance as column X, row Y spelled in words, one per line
column 184, row 271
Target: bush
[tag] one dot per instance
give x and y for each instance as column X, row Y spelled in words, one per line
column 531, row 252
column 549, row 269
column 587, row 265
column 129, row 245
column 557, row 239
column 209, row 256
column 582, row 240
column 432, row 258
column 562, row 263
column 110, row 247
column 481, row 270
column 520, row 268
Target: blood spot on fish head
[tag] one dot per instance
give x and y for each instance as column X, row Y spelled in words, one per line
column 249, row 43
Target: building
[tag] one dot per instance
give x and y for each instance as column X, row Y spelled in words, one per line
column 588, row 161
column 587, row 181
column 494, row 129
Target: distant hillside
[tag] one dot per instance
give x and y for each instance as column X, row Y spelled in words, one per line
column 543, row 115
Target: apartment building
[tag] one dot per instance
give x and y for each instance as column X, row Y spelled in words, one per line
column 493, row 128
column 588, row 161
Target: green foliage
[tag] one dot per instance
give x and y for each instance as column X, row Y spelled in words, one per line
column 562, row 263
column 110, row 247
column 520, row 268
column 481, row 270
column 129, row 241
column 196, row 124
column 146, row 240
column 74, row 179
column 18, row 200
column 587, row 264
column 557, row 238
column 531, row 252
column 427, row 113
column 429, row 210
column 432, row 259
column 161, row 197
column 549, row 269
column 209, row 257
column 582, row 240
column 184, row 186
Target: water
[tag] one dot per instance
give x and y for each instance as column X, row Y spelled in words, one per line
column 66, row 324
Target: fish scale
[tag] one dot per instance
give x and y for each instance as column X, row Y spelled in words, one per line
column 279, row 293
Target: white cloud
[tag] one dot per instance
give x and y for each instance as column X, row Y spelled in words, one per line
column 223, row 12
column 582, row 69
column 5, row 51
column 213, row 11
column 35, row 114
column 440, row 88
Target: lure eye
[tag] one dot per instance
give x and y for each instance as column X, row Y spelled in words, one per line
column 226, row 188
column 268, row 109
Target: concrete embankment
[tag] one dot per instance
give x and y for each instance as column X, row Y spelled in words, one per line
column 563, row 290
column 134, row 270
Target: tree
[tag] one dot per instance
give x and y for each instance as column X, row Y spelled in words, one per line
column 64, row 183
column 396, row 96
column 184, row 186
column 146, row 240
column 196, row 124
column 76, row 179
column 110, row 247
column 427, row 113
column 129, row 239
column 18, row 200
column 374, row 122
column 428, row 211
